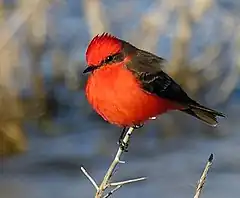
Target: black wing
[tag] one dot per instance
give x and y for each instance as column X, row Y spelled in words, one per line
column 147, row 67
column 165, row 87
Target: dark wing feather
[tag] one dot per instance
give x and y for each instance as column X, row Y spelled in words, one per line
column 165, row 87
column 147, row 67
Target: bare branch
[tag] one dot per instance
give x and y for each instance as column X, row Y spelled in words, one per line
column 111, row 171
column 202, row 180
column 113, row 166
column 127, row 181
column 112, row 191
column 90, row 178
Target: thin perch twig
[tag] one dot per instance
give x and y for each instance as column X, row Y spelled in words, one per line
column 112, row 191
column 202, row 180
column 90, row 178
column 115, row 161
column 110, row 172
column 127, row 181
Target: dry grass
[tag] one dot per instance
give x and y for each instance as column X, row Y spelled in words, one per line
column 31, row 29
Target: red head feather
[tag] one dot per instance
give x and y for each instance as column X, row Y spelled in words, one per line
column 101, row 47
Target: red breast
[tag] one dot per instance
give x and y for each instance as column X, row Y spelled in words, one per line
column 117, row 96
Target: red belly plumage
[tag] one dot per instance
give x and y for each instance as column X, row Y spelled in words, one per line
column 117, row 96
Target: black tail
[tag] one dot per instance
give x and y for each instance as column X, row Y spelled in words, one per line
column 209, row 116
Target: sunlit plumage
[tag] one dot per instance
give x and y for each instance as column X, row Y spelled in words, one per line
column 127, row 85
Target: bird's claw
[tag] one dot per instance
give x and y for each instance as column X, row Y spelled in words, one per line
column 123, row 145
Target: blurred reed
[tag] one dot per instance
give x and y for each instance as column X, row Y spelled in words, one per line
column 12, row 139
column 30, row 15
column 25, row 39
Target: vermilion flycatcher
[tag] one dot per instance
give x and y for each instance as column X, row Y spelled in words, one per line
column 127, row 85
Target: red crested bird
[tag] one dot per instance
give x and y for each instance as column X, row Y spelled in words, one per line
column 127, row 85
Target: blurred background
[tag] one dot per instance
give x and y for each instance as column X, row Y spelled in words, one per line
column 48, row 130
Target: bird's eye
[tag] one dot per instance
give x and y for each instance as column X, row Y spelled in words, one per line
column 109, row 59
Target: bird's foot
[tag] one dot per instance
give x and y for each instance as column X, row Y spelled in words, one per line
column 123, row 145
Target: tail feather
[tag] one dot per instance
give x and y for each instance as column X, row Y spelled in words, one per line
column 207, row 115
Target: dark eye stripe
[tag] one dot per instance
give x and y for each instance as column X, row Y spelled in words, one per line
column 118, row 57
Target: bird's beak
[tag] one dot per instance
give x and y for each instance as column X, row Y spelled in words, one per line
column 89, row 69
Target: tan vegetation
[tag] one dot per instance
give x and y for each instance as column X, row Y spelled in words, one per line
column 25, row 26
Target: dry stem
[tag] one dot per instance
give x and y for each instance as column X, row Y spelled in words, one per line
column 202, row 180
column 111, row 170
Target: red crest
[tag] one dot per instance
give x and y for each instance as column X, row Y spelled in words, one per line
column 100, row 47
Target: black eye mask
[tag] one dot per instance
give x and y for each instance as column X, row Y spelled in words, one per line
column 115, row 58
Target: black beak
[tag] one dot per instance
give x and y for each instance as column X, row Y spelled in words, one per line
column 89, row 69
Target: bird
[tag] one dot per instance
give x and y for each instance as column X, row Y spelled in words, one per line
column 127, row 85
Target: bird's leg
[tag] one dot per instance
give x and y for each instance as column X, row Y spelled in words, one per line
column 122, row 144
